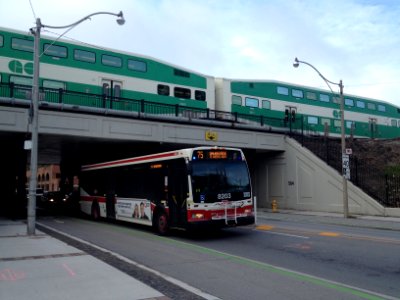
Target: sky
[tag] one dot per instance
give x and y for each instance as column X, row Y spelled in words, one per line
column 357, row 41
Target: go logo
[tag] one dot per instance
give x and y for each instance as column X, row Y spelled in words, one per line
column 16, row 66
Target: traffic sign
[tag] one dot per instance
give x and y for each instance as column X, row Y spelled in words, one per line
column 346, row 166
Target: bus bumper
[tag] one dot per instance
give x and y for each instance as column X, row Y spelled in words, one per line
column 204, row 224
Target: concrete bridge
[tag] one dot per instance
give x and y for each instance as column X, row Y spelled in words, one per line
column 281, row 169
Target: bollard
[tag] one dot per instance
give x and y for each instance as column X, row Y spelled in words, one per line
column 274, row 205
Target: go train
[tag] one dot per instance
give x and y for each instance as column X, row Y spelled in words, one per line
column 78, row 67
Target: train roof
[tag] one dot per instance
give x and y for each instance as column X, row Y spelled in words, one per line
column 294, row 85
column 88, row 45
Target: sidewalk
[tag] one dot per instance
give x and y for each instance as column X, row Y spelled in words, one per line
column 42, row 267
column 376, row 222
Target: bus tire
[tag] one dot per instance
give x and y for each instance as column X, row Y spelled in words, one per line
column 95, row 211
column 161, row 223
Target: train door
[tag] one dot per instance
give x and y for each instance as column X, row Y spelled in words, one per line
column 373, row 128
column 111, row 90
column 290, row 116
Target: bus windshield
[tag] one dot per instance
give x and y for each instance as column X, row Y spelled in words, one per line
column 218, row 180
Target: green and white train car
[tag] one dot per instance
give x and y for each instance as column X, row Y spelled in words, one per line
column 122, row 81
column 318, row 110
column 88, row 69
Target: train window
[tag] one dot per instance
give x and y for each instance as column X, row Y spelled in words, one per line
column 399, row 123
column 394, row 123
column 117, row 91
column 311, row 95
column 251, row 102
column 237, row 100
column 326, row 121
column 200, row 95
column 323, row 98
column 266, row 104
column 21, row 44
column 350, row 124
column 163, row 90
column 381, row 107
column 106, row 89
column 52, row 84
column 86, row 56
column 297, row 93
column 349, row 102
column 312, row 120
column 111, row 61
column 282, row 90
column 337, row 123
column 137, row 65
column 181, row 73
column 336, row 100
column 371, row 106
column 21, row 80
column 182, row 93
column 360, row 104
column 54, row 50
column 1, row 40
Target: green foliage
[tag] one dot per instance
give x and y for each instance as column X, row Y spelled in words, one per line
column 392, row 170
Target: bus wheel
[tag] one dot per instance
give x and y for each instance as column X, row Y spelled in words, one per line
column 161, row 223
column 95, row 211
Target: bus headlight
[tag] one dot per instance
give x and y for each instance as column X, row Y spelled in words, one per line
column 198, row 216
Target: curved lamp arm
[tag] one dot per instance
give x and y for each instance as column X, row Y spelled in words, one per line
column 120, row 20
column 297, row 62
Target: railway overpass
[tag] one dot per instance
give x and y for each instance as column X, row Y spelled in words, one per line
column 70, row 136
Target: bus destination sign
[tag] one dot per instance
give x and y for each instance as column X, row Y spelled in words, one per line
column 216, row 154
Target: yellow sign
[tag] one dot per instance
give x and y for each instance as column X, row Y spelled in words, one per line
column 211, row 136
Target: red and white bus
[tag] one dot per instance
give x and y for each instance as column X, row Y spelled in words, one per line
column 186, row 188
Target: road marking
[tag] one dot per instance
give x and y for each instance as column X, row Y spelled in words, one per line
column 69, row 270
column 319, row 281
column 289, row 235
column 175, row 281
column 355, row 291
column 331, row 234
column 268, row 228
column 265, row 227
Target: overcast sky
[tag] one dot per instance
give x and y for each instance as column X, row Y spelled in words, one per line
column 357, row 41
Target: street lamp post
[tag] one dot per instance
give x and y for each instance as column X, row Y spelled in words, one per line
column 35, row 110
column 342, row 129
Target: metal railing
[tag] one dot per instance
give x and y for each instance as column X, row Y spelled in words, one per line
column 54, row 99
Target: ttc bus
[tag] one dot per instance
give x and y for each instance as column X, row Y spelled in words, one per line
column 189, row 188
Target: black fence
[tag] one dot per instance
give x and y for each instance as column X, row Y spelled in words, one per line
column 140, row 108
column 380, row 184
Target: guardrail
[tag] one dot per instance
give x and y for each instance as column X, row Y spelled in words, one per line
column 59, row 99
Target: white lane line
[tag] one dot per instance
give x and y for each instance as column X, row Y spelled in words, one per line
column 172, row 280
column 287, row 234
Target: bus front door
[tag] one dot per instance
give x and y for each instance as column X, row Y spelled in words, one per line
column 177, row 193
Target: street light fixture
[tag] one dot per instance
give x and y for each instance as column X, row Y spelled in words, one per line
column 35, row 109
column 342, row 129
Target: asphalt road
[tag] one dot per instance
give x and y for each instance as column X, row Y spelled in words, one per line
column 275, row 260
